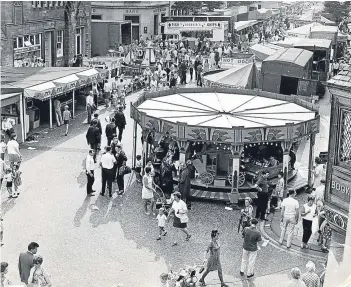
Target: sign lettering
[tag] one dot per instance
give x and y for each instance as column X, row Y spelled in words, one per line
column 160, row 10
column 216, row 25
column 341, row 188
column 132, row 11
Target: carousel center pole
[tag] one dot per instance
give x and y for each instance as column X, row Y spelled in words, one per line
column 286, row 150
column 311, row 160
column 135, row 129
column 234, row 195
column 183, row 146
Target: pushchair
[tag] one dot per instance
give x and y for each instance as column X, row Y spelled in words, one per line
column 161, row 201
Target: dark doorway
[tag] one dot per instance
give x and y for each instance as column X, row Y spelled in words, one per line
column 135, row 32
column 155, row 25
column 288, row 85
column 126, row 30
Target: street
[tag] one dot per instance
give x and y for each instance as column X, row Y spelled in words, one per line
column 95, row 241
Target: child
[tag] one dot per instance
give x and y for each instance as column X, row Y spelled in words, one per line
column 326, row 234
column 123, row 170
column 138, row 166
column 8, row 180
column 3, row 147
column 66, row 116
column 1, row 232
column 16, row 176
column 279, row 190
column 161, row 219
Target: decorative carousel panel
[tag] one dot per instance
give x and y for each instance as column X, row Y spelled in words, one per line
column 312, row 126
column 276, row 134
column 196, row 133
column 336, row 218
column 169, row 128
column 299, row 131
column 222, row 135
column 345, row 138
column 152, row 124
column 252, row 135
column 135, row 114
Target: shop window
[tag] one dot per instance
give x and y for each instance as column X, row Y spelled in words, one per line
column 96, row 17
column 134, row 19
column 18, row 15
column 59, row 44
column 345, row 139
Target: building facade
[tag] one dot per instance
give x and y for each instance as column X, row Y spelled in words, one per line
column 35, row 33
column 145, row 16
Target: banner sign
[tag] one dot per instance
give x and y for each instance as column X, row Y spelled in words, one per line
column 235, row 61
column 212, row 25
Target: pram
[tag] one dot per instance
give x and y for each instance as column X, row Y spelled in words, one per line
column 161, row 200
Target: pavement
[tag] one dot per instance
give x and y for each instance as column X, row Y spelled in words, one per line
column 95, row 241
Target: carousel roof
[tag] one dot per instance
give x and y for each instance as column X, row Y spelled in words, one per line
column 225, row 110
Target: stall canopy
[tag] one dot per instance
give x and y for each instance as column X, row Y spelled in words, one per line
column 39, row 83
column 322, row 28
column 309, row 18
column 224, row 110
column 295, row 56
column 239, row 77
column 342, row 79
column 303, row 31
column 240, row 25
column 319, row 44
column 263, row 51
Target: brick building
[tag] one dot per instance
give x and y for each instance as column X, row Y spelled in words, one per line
column 37, row 30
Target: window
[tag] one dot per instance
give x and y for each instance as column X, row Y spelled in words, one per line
column 37, row 39
column 34, row 4
column 134, row 19
column 31, row 39
column 15, row 43
column 79, row 40
column 59, row 44
column 20, row 42
column 96, row 17
column 345, row 139
column 18, row 15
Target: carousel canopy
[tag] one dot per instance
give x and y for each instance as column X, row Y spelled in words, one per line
column 239, row 76
column 224, row 110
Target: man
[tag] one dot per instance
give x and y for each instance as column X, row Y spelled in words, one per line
column 90, row 105
column 251, row 237
column 262, row 195
column 7, row 126
column 289, row 217
column 89, row 170
column 183, row 69
column 110, row 131
column 25, row 261
column 107, row 93
column 184, row 182
column 93, row 137
column 199, row 70
column 98, row 123
column 57, row 108
column 107, row 163
column 120, row 121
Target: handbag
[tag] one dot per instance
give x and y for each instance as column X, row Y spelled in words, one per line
column 184, row 218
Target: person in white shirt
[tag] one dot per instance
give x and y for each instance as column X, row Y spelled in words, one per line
column 161, row 222
column 107, row 163
column 90, row 105
column 318, row 173
column 89, row 170
column 289, row 217
column 13, row 150
column 7, row 126
column 308, row 212
column 3, row 147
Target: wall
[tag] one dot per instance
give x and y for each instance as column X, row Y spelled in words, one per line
column 101, row 37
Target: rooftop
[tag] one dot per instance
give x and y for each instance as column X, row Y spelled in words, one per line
column 342, row 79
column 295, row 56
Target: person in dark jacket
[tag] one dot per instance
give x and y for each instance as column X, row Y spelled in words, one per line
column 110, row 131
column 25, row 261
column 173, row 81
column 93, row 137
column 184, row 182
column 183, row 69
column 120, row 157
column 120, row 121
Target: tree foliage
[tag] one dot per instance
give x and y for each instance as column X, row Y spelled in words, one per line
column 239, row 3
column 190, row 6
column 212, row 5
column 337, row 10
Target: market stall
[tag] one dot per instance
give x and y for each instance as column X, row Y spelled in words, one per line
column 231, row 135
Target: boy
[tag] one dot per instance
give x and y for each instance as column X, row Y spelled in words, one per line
column 66, row 116
column 8, row 180
column 138, row 166
column 3, row 147
column 161, row 219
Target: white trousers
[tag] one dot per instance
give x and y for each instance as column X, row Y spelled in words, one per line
column 248, row 261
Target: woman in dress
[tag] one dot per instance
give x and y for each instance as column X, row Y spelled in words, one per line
column 308, row 213
column 13, row 150
column 180, row 220
column 206, row 66
column 38, row 277
column 213, row 261
column 310, row 278
column 318, row 173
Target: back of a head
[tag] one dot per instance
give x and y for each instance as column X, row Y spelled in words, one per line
column 254, row 221
column 32, row 245
column 148, row 169
column 291, row 192
column 296, row 273
column 108, row 148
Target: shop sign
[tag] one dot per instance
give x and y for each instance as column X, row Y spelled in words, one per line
column 42, row 94
column 26, row 49
column 194, row 24
column 234, row 61
column 341, row 188
column 132, row 11
column 160, row 10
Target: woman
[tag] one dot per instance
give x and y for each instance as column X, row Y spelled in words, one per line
column 180, row 219
column 153, row 84
column 120, row 157
column 318, row 173
column 206, row 66
column 308, row 213
column 310, row 278
column 13, row 150
column 147, row 192
column 213, row 261
column 296, row 279
column 4, row 270
column 38, row 277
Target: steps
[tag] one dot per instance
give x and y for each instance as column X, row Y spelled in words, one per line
column 219, row 196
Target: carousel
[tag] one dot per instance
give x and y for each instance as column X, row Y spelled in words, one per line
column 134, row 63
column 230, row 135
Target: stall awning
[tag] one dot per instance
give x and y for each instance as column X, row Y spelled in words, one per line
column 295, row 56
column 65, row 84
column 304, row 42
column 240, row 25
column 40, row 92
column 263, row 51
column 89, row 76
column 9, row 99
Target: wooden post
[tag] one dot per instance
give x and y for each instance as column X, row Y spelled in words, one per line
column 236, row 153
column 73, row 104
column 311, row 160
column 22, row 117
column 50, row 110
column 135, row 129
column 286, row 150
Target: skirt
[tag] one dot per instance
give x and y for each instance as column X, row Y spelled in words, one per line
column 14, row 158
column 177, row 223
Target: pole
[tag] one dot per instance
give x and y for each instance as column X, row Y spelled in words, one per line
column 73, row 104
column 134, row 143
column 22, row 118
column 50, row 110
column 311, row 160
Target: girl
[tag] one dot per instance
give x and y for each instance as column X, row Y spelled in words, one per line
column 279, row 191
column 8, row 179
column 247, row 213
column 326, row 233
column 17, row 181
column 213, row 262
column 66, row 116
column 38, row 276
column 122, row 171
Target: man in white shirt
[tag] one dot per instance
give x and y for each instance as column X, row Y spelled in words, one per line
column 107, row 163
column 90, row 105
column 89, row 170
column 289, row 217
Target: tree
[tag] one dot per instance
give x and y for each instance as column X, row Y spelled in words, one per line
column 239, row 3
column 212, row 5
column 337, row 10
column 189, row 6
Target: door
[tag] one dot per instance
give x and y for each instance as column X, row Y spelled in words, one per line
column 135, row 32
column 78, row 41
column 155, row 24
column 126, row 30
column 48, row 38
column 288, row 85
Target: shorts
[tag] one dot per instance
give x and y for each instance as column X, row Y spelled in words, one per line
column 66, row 122
column 9, row 184
column 14, row 158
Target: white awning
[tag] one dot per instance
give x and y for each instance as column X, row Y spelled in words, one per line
column 41, row 91
column 88, row 73
column 67, row 79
